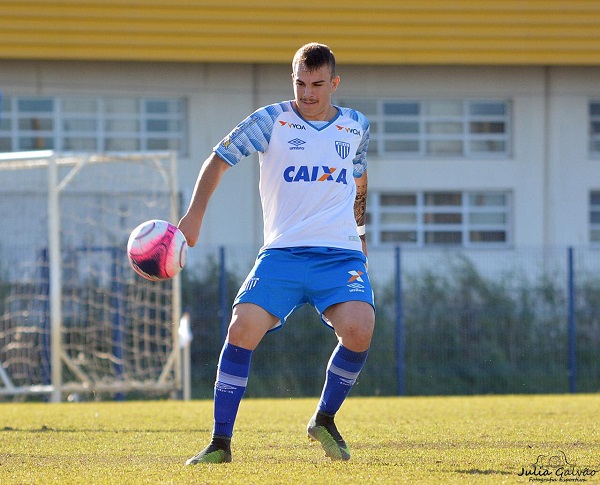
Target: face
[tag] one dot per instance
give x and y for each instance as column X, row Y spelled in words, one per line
column 312, row 92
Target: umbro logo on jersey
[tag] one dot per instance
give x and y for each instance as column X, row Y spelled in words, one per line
column 296, row 144
column 318, row 173
column 295, row 126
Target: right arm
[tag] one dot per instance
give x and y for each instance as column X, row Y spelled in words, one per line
column 249, row 136
column 209, row 177
column 360, row 207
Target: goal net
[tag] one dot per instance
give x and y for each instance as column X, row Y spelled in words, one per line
column 74, row 317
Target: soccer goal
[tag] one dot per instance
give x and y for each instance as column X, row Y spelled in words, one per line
column 75, row 319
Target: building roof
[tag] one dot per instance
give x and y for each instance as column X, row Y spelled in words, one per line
column 532, row 32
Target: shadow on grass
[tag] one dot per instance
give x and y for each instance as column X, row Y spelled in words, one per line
column 476, row 471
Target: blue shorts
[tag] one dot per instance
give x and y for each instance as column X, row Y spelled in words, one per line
column 283, row 280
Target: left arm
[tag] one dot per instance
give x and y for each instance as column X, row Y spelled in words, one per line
column 360, row 206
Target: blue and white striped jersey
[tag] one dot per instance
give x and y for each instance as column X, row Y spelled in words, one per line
column 307, row 173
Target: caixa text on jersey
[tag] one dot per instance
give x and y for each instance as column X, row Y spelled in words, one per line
column 317, row 173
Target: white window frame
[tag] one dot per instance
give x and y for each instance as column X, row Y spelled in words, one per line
column 465, row 136
column 421, row 227
column 142, row 137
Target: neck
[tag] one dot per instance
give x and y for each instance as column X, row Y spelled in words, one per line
column 326, row 115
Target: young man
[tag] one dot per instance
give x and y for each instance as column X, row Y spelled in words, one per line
column 313, row 188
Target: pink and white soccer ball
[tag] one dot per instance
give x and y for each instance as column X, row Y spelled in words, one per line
column 157, row 250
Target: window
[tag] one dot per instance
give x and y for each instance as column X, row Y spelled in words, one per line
column 107, row 124
column 468, row 219
column 437, row 128
column 595, row 129
column 595, row 216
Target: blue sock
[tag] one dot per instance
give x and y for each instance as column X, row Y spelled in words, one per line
column 342, row 371
column 230, row 385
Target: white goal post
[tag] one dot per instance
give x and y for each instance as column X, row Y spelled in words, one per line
column 74, row 317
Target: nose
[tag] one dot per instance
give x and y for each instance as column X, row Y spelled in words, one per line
column 307, row 91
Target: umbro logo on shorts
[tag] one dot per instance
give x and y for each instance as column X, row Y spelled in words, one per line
column 356, row 287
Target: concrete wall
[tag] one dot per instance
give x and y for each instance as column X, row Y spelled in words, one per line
column 549, row 172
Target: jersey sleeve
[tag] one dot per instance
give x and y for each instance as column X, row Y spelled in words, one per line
column 360, row 160
column 251, row 135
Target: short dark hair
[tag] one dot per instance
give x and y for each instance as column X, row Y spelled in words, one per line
column 313, row 56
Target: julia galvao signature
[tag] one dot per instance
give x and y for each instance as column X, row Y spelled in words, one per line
column 556, row 467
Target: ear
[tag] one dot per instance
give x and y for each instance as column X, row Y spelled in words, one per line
column 335, row 83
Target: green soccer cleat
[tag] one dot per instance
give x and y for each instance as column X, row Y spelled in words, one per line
column 327, row 434
column 211, row 454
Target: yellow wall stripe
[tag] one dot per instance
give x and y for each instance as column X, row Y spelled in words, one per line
column 376, row 32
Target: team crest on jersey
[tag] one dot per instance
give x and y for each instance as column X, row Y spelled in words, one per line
column 342, row 148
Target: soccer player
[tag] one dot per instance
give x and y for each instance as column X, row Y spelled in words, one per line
column 313, row 188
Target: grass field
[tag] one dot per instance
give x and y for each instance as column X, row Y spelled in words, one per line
column 481, row 439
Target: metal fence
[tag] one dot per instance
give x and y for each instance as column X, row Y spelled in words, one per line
column 448, row 322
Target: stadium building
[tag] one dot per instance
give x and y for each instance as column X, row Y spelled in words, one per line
column 483, row 215
column 485, row 115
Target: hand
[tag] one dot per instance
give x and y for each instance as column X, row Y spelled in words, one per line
column 210, row 174
column 190, row 228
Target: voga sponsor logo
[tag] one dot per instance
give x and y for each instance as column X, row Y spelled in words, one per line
column 295, row 126
column 317, row 173
column 354, row 131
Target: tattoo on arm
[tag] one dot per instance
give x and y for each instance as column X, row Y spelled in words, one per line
column 360, row 204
